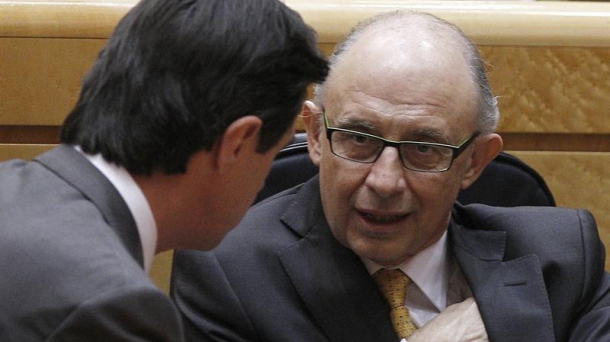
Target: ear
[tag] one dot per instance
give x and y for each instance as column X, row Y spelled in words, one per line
column 239, row 139
column 311, row 118
column 486, row 149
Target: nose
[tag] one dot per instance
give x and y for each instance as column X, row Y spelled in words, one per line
column 386, row 177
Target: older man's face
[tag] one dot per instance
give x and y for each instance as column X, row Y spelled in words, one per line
column 419, row 92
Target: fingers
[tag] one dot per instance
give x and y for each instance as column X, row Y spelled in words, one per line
column 459, row 322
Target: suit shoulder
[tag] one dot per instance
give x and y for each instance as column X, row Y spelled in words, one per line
column 278, row 201
column 536, row 230
column 532, row 219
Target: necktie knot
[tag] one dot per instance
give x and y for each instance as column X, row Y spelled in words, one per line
column 393, row 285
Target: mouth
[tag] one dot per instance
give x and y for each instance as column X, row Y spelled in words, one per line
column 380, row 218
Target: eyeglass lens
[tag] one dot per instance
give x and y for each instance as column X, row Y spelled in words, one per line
column 415, row 155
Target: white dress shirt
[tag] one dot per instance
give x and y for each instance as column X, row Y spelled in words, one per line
column 136, row 202
column 437, row 281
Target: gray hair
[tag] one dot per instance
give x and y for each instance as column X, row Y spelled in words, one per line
column 487, row 104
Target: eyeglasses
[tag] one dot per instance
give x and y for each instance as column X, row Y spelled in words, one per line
column 415, row 155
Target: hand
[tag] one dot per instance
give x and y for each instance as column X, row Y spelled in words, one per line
column 457, row 323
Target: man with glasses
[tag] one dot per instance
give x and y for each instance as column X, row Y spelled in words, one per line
column 404, row 121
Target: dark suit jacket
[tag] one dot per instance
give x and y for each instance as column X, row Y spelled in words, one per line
column 71, row 259
column 536, row 273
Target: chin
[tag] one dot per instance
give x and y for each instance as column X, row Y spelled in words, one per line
column 206, row 240
column 375, row 252
column 393, row 254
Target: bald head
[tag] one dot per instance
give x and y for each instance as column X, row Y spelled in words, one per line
column 415, row 51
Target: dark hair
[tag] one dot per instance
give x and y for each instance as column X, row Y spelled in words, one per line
column 176, row 73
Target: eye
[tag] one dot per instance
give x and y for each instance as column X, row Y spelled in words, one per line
column 424, row 149
column 359, row 139
column 422, row 155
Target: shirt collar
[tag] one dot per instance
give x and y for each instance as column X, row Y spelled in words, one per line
column 428, row 269
column 136, row 202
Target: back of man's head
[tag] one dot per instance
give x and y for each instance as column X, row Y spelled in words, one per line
column 176, row 73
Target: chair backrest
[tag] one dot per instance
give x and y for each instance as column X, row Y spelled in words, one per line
column 506, row 181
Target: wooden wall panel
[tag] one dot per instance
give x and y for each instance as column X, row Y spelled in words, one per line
column 507, row 23
column 40, row 78
column 551, row 89
column 22, row 151
column 162, row 269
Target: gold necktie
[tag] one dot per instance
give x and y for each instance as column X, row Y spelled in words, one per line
column 393, row 285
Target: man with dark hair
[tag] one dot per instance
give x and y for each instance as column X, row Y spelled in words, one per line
column 175, row 129
column 376, row 248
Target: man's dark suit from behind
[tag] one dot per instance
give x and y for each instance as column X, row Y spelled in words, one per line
column 66, row 231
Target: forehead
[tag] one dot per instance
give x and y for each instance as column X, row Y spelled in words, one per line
column 397, row 78
column 396, row 125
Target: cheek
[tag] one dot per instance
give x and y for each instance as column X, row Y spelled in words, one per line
column 330, row 191
column 338, row 182
column 338, row 187
column 435, row 192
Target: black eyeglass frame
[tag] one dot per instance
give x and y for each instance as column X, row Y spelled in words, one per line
column 457, row 150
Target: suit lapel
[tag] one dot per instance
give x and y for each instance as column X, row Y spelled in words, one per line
column 70, row 165
column 511, row 294
column 331, row 279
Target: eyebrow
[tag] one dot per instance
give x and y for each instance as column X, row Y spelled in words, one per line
column 356, row 125
column 429, row 134
column 424, row 134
